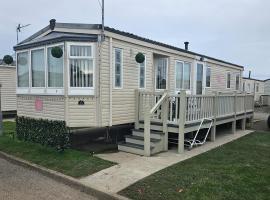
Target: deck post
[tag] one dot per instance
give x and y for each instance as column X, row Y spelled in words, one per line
column 214, row 127
column 137, row 101
column 147, row 145
column 234, row 109
column 165, row 122
column 182, row 120
column 244, row 120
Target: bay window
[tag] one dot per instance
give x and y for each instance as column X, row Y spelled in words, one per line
column 38, row 68
column 182, row 75
column 23, row 70
column 55, row 70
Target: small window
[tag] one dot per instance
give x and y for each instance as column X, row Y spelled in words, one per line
column 208, row 77
column 38, row 68
column 118, row 68
column 257, row 87
column 55, row 70
column 81, row 66
column 142, row 75
column 248, row 89
column 228, row 80
column 23, row 69
column 244, row 86
column 161, row 73
column 182, row 75
column 237, row 81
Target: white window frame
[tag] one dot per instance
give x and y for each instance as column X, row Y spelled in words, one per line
column 38, row 90
column 81, row 90
column 227, row 80
column 208, row 67
column 239, row 85
column 23, row 90
column 155, row 68
column 55, row 90
column 195, row 77
column 175, row 86
column 122, row 68
column 139, row 74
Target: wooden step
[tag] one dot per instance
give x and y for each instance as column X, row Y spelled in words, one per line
column 153, row 134
column 132, row 148
column 140, row 140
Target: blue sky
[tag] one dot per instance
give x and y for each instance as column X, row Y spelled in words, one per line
column 235, row 31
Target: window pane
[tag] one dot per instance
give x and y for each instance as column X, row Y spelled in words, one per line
column 237, row 83
column 77, row 50
column 228, row 80
column 23, row 69
column 118, row 68
column 208, row 77
column 161, row 73
column 199, row 88
column 55, row 70
column 81, row 73
column 179, row 75
column 38, row 68
column 187, row 76
column 142, row 75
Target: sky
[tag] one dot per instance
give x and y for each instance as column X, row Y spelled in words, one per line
column 234, row 31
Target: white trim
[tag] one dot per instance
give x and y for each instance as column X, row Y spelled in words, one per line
column 122, row 68
column 139, row 74
column 228, row 72
column 81, row 90
column 208, row 67
column 167, row 73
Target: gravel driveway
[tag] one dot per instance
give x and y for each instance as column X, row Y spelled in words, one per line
column 18, row 183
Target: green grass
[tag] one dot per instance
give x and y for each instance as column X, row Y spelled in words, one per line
column 70, row 162
column 235, row 171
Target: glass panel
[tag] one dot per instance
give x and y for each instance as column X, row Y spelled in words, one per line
column 228, row 80
column 23, row 69
column 81, row 73
column 142, row 75
column 237, row 83
column 38, row 68
column 208, row 77
column 179, row 75
column 118, row 68
column 80, row 51
column 55, row 70
column 161, row 73
column 199, row 88
column 187, row 68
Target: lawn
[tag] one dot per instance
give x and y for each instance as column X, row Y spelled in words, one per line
column 235, row 171
column 70, row 162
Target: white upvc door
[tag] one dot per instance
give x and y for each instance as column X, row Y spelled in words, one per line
column 199, row 78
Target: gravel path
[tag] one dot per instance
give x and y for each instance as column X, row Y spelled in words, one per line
column 18, row 183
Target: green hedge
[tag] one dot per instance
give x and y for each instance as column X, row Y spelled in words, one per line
column 42, row 131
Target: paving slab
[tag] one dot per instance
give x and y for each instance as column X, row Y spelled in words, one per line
column 132, row 168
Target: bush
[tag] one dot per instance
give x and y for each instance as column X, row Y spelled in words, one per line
column 42, row 131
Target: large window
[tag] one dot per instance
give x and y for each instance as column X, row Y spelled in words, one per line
column 38, row 68
column 208, row 77
column 23, row 69
column 228, row 84
column 81, row 66
column 118, row 68
column 237, row 81
column 142, row 75
column 182, row 75
column 55, row 70
column 161, row 73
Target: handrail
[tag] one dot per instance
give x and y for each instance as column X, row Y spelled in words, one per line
column 160, row 101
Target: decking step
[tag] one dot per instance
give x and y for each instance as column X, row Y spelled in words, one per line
column 140, row 140
column 153, row 134
column 132, row 148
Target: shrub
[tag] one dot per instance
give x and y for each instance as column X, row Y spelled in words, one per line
column 8, row 59
column 42, row 131
column 140, row 58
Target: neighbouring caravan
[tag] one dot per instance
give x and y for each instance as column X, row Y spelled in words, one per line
column 98, row 83
column 8, row 88
column 254, row 86
column 266, row 97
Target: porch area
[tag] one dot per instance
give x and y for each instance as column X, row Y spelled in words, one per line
column 160, row 113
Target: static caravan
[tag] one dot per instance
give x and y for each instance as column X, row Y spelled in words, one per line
column 97, row 82
column 254, row 86
column 266, row 97
column 8, row 88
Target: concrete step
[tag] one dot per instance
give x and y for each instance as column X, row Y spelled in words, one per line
column 153, row 134
column 132, row 148
column 140, row 140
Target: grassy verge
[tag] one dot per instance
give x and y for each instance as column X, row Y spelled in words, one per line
column 70, row 162
column 238, row 170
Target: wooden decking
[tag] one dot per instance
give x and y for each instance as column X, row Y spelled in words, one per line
column 180, row 114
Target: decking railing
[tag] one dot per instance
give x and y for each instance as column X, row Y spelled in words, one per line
column 186, row 109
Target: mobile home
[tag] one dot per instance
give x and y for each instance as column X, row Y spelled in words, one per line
column 98, row 83
column 254, row 86
column 8, row 88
